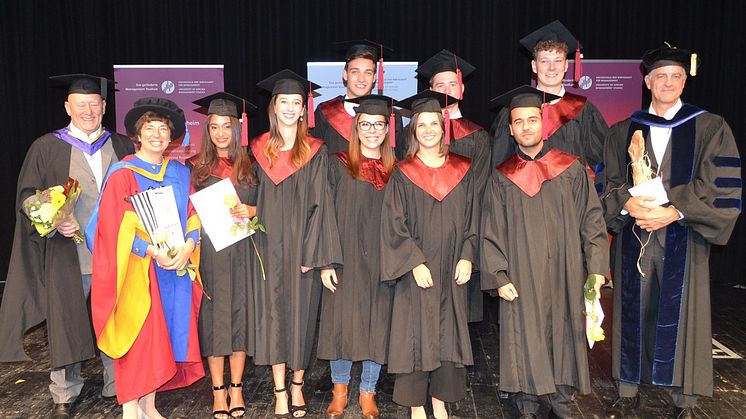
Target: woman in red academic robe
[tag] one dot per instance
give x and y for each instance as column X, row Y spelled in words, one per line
column 429, row 236
column 226, row 324
column 294, row 205
column 144, row 312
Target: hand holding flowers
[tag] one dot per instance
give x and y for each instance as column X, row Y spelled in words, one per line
column 52, row 209
column 594, row 314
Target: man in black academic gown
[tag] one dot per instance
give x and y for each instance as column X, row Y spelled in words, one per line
column 49, row 278
column 571, row 122
column 543, row 234
column 333, row 118
column 662, row 327
column 445, row 73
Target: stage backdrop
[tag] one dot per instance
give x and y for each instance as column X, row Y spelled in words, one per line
column 180, row 83
column 614, row 86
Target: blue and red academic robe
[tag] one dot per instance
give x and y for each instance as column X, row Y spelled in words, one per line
column 145, row 317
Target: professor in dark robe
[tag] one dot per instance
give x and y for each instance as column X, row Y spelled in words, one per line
column 662, row 326
column 49, row 278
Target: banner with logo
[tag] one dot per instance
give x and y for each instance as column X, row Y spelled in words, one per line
column 181, row 84
column 614, row 86
column 399, row 80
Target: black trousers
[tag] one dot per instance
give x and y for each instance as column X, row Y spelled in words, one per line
column 651, row 264
column 447, row 383
column 561, row 401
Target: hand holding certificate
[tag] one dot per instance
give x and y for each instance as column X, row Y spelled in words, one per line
column 213, row 204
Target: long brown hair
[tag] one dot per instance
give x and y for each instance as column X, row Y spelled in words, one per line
column 414, row 146
column 301, row 151
column 208, row 157
column 355, row 155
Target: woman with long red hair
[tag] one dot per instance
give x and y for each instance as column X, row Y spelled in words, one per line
column 294, row 205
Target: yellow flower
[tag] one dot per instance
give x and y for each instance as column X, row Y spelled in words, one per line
column 230, row 201
column 596, row 333
column 160, row 236
column 57, row 198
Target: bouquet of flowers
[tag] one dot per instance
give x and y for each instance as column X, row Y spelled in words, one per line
column 245, row 226
column 49, row 208
column 594, row 314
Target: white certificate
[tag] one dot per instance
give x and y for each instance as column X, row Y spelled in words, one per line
column 654, row 188
column 156, row 209
column 214, row 212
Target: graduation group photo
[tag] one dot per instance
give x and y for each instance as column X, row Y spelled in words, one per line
column 398, row 209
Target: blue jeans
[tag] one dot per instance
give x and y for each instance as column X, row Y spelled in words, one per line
column 368, row 377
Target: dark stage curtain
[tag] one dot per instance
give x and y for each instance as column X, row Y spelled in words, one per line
column 253, row 39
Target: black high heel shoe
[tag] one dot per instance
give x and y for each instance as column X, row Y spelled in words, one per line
column 218, row 414
column 282, row 415
column 237, row 411
column 299, row 408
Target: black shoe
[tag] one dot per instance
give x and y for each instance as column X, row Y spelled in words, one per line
column 553, row 415
column 385, row 384
column 685, row 413
column 62, row 411
column 622, row 407
column 324, row 383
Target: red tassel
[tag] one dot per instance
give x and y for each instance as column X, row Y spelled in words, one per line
column 545, row 121
column 578, row 65
column 380, row 74
column 447, row 116
column 460, row 83
column 392, row 129
column 309, row 108
column 244, row 129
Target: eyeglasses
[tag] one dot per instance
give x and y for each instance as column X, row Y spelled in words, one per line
column 365, row 125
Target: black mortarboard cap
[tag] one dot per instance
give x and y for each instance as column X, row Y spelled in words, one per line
column 554, row 31
column 160, row 106
column 426, row 101
column 373, row 104
column 287, row 82
column 523, row 97
column 224, row 104
column 667, row 55
column 83, row 83
column 357, row 47
column 444, row 61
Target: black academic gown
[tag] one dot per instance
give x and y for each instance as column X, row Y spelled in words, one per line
column 226, row 320
column 470, row 140
column 545, row 244
column 334, row 125
column 429, row 326
column 702, row 176
column 44, row 279
column 578, row 128
column 301, row 231
column 355, row 319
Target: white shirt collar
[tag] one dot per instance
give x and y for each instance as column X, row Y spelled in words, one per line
column 78, row 133
column 671, row 112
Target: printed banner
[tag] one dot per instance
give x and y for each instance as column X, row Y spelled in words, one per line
column 181, row 84
column 614, row 86
column 399, row 79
